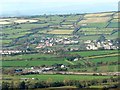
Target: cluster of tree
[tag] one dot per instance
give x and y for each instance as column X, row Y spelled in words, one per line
column 26, row 85
column 91, row 65
column 72, row 57
column 107, row 63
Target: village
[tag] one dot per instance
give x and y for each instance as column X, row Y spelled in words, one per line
column 89, row 44
column 95, row 45
column 59, row 44
column 52, row 42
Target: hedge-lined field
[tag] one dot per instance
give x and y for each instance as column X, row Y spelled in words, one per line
column 61, row 77
column 28, row 60
column 91, row 53
column 25, row 63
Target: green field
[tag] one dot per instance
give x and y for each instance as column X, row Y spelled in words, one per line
column 60, row 77
column 108, row 68
column 32, row 26
column 96, row 25
column 91, row 53
column 93, row 31
column 13, row 30
column 6, row 41
column 105, row 59
column 28, row 56
column 114, row 25
column 28, row 60
column 33, row 63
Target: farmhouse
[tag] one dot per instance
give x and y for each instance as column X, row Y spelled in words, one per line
column 62, row 66
column 76, row 59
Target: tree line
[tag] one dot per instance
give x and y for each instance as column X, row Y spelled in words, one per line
column 27, row 85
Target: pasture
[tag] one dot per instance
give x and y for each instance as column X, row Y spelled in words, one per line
column 104, row 59
column 94, row 31
column 32, row 26
column 6, row 41
column 28, row 56
column 108, row 68
column 92, row 53
column 60, row 77
column 28, row 60
column 114, row 25
column 97, row 25
column 37, row 62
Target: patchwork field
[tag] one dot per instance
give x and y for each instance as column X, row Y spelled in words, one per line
column 104, row 56
column 20, row 29
column 59, row 42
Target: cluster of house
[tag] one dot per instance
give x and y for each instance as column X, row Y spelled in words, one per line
column 66, row 41
column 38, row 70
column 45, row 44
column 7, row 52
column 95, row 45
column 55, row 41
column 88, row 44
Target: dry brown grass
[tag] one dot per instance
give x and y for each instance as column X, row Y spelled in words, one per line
column 60, row 32
column 95, row 20
column 98, row 15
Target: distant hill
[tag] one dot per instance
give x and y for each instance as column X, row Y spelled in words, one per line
column 23, row 32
